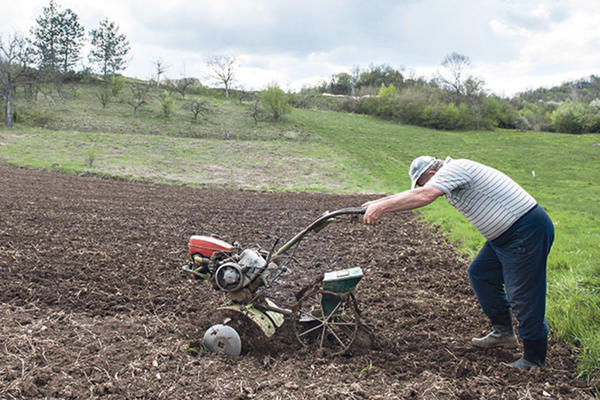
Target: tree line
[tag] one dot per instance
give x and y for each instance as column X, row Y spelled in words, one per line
column 456, row 99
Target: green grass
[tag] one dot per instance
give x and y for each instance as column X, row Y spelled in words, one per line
column 325, row 151
column 78, row 109
column 253, row 164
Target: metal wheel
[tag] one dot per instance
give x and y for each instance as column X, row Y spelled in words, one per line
column 326, row 322
column 222, row 339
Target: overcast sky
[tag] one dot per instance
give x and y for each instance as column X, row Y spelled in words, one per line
column 514, row 45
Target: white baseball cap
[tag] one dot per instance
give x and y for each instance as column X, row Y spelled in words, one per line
column 418, row 166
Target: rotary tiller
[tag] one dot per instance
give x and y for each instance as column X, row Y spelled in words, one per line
column 325, row 315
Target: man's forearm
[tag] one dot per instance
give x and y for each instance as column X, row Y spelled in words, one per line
column 406, row 200
column 403, row 201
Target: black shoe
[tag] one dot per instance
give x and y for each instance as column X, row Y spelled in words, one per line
column 522, row 363
column 496, row 339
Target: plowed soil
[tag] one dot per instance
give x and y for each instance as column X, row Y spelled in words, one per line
column 93, row 302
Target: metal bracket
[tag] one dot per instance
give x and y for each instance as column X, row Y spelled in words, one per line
column 266, row 321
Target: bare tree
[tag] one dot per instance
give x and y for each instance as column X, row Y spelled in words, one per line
column 15, row 56
column 183, row 84
column 169, row 85
column 454, row 78
column 245, row 96
column 355, row 74
column 139, row 95
column 223, row 68
column 160, row 68
column 474, row 95
column 256, row 110
column 103, row 96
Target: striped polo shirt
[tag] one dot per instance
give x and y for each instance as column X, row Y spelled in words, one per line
column 489, row 199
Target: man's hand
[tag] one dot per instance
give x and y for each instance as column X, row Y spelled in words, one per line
column 373, row 213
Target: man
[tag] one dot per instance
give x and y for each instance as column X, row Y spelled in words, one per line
column 510, row 270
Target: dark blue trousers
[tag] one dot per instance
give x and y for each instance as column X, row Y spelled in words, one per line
column 510, row 272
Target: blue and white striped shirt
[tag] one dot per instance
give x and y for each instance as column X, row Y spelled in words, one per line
column 489, row 199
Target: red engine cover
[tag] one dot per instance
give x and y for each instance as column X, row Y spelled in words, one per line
column 207, row 246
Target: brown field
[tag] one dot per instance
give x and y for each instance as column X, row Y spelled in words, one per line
column 93, row 303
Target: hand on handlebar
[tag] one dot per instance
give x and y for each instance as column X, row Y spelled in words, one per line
column 372, row 213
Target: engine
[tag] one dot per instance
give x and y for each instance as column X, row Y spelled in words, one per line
column 230, row 269
column 242, row 270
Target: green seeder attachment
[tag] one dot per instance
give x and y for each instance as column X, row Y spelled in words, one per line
column 343, row 281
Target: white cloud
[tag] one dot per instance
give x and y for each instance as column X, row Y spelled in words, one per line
column 566, row 49
column 513, row 44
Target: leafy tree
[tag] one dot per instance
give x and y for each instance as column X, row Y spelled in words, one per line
column 15, row 56
column 584, row 90
column 199, row 107
column 388, row 101
column 275, row 101
column 572, row 117
column 341, row 84
column 223, row 68
column 379, row 75
column 70, row 40
column 594, row 112
column 533, row 114
column 46, row 34
column 57, row 38
column 442, row 116
column 501, row 113
column 109, row 48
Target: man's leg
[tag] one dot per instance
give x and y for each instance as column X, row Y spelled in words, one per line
column 524, row 260
column 485, row 274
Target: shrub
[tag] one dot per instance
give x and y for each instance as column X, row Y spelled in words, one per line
column 166, row 104
column 275, row 101
column 104, row 95
column 367, row 105
column 198, row 107
column 305, row 98
column 90, row 156
column 116, row 84
column 387, row 103
column 84, row 76
column 594, row 113
column 411, row 104
column 466, row 118
column 502, row 114
column 451, row 117
column 430, row 116
column 35, row 118
column 572, row 117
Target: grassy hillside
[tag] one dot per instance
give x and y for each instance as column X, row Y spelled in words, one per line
column 325, row 151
